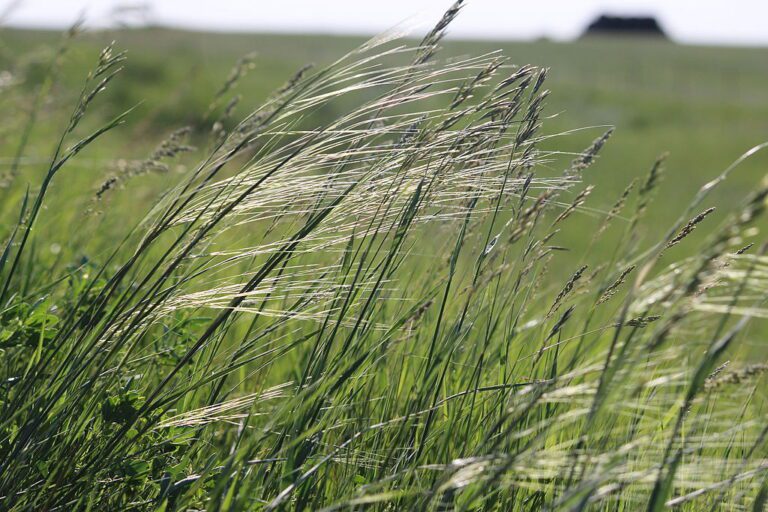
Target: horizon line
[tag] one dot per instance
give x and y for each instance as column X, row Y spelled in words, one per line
column 462, row 36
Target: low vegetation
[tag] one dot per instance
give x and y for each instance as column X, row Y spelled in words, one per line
column 367, row 310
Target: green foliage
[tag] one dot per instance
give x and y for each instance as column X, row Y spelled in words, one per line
column 27, row 325
column 364, row 295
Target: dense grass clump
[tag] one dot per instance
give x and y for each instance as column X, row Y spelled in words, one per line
column 368, row 312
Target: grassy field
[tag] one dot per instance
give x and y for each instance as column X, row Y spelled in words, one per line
column 396, row 281
column 704, row 106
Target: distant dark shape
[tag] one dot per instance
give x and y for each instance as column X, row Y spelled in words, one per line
column 629, row 26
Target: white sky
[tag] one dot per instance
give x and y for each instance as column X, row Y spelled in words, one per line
column 691, row 21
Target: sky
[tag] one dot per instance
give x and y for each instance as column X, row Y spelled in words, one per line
column 729, row 22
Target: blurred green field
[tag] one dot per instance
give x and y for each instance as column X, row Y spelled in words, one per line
column 704, row 106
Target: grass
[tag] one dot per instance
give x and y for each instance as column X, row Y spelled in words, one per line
column 358, row 295
column 704, row 106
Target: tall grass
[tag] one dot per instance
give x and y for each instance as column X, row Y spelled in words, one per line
column 362, row 313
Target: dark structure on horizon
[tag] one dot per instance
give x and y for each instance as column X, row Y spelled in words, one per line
column 631, row 26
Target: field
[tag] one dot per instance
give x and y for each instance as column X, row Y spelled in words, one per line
column 395, row 281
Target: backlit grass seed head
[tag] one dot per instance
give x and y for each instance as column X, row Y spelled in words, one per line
column 155, row 163
column 642, row 321
column 615, row 210
column 649, row 185
column 736, row 376
column 578, row 201
column 689, row 227
column 566, row 290
column 613, row 287
column 585, row 160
